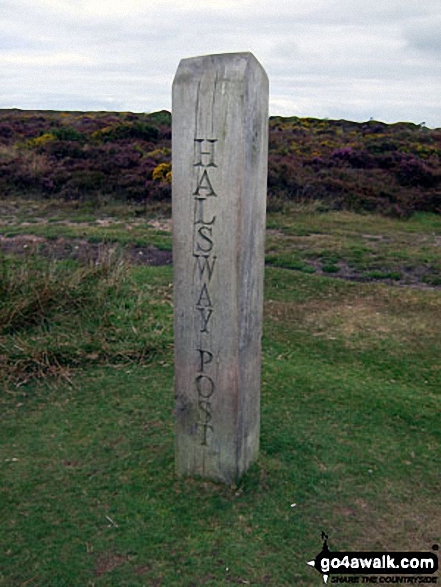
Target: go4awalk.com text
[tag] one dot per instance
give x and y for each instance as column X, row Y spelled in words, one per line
column 399, row 568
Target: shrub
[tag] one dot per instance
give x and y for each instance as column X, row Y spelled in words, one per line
column 163, row 117
column 6, row 131
column 40, row 141
column 67, row 133
column 414, row 172
column 357, row 159
column 138, row 130
column 162, row 173
column 84, row 181
column 64, row 149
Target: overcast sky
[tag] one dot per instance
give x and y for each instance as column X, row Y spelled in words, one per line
column 352, row 59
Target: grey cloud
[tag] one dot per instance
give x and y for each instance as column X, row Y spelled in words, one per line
column 425, row 36
column 336, row 58
column 382, row 12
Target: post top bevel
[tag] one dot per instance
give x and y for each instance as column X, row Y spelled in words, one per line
column 197, row 65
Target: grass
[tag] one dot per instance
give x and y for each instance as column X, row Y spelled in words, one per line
column 351, row 425
column 58, row 315
column 363, row 244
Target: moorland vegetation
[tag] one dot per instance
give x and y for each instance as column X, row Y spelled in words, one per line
column 392, row 169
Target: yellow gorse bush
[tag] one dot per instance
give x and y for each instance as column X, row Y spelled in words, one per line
column 162, row 172
column 40, row 141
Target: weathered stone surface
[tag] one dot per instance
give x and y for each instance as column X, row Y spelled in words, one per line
column 220, row 152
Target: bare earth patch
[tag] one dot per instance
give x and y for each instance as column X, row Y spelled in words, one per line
column 409, row 276
column 107, row 562
column 85, row 251
column 82, row 250
column 165, row 224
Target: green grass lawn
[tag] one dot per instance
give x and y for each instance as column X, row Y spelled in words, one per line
column 351, row 423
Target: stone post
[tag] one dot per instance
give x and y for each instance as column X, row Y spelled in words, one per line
column 220, row 153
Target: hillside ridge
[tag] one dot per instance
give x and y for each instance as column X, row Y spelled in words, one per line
column 393, row 169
